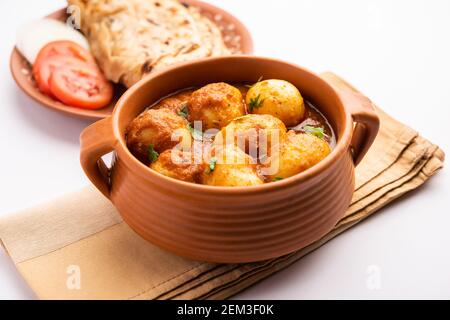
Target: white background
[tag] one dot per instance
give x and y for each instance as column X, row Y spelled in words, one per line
column 396, row 52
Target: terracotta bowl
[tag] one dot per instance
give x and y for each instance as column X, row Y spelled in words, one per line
column 232, row 225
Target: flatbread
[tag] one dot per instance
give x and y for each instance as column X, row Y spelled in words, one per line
column 131, row 38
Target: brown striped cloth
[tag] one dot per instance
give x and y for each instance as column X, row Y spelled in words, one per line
column 78, row 247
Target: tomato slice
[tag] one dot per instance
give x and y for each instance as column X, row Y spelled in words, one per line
column 81, row 85
column 66, row 49
column 54, row 55
column 66, row 71
column 46, row 67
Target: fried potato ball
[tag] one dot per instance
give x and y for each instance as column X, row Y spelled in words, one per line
column 229, row 166
column 216, row 105
column 159, row 130
column 254, row 133
column 278, row 98
column 298, row 152
column 180, row 165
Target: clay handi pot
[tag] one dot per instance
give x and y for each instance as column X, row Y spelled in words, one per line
column 231, row 224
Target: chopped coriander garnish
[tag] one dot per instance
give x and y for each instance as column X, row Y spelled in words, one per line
column 212, row 164
column 315, row 131
column 152, row 154
column 197, row 135
column 255, row 103
column 278, row 178
column 184, row 112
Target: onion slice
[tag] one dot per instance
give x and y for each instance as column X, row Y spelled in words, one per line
column 33, row 36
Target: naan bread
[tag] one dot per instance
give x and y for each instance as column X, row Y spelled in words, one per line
column 131, row 38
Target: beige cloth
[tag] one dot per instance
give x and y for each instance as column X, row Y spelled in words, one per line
column 77, row 247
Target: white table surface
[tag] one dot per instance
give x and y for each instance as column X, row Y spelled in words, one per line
column 396, row 52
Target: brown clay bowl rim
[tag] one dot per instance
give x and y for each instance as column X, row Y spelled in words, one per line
column 16, row 58
column 342, row 145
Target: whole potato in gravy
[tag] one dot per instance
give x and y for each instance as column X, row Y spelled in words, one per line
column 298, row 152
column 253, row 133
column 160, row 130
column 216, row 105
column 250, row 143
column 229, row 166
column 278, row 98
column 181, row 165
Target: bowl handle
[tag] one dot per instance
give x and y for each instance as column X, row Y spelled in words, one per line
column 363, row 113
column 96, row 141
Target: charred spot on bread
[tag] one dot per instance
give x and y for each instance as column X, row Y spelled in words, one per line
column 147, row 67
column 152, row 21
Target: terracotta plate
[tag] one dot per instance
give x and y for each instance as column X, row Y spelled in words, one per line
column 236, row 37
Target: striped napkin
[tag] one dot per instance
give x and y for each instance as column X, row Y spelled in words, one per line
column 78, row 247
